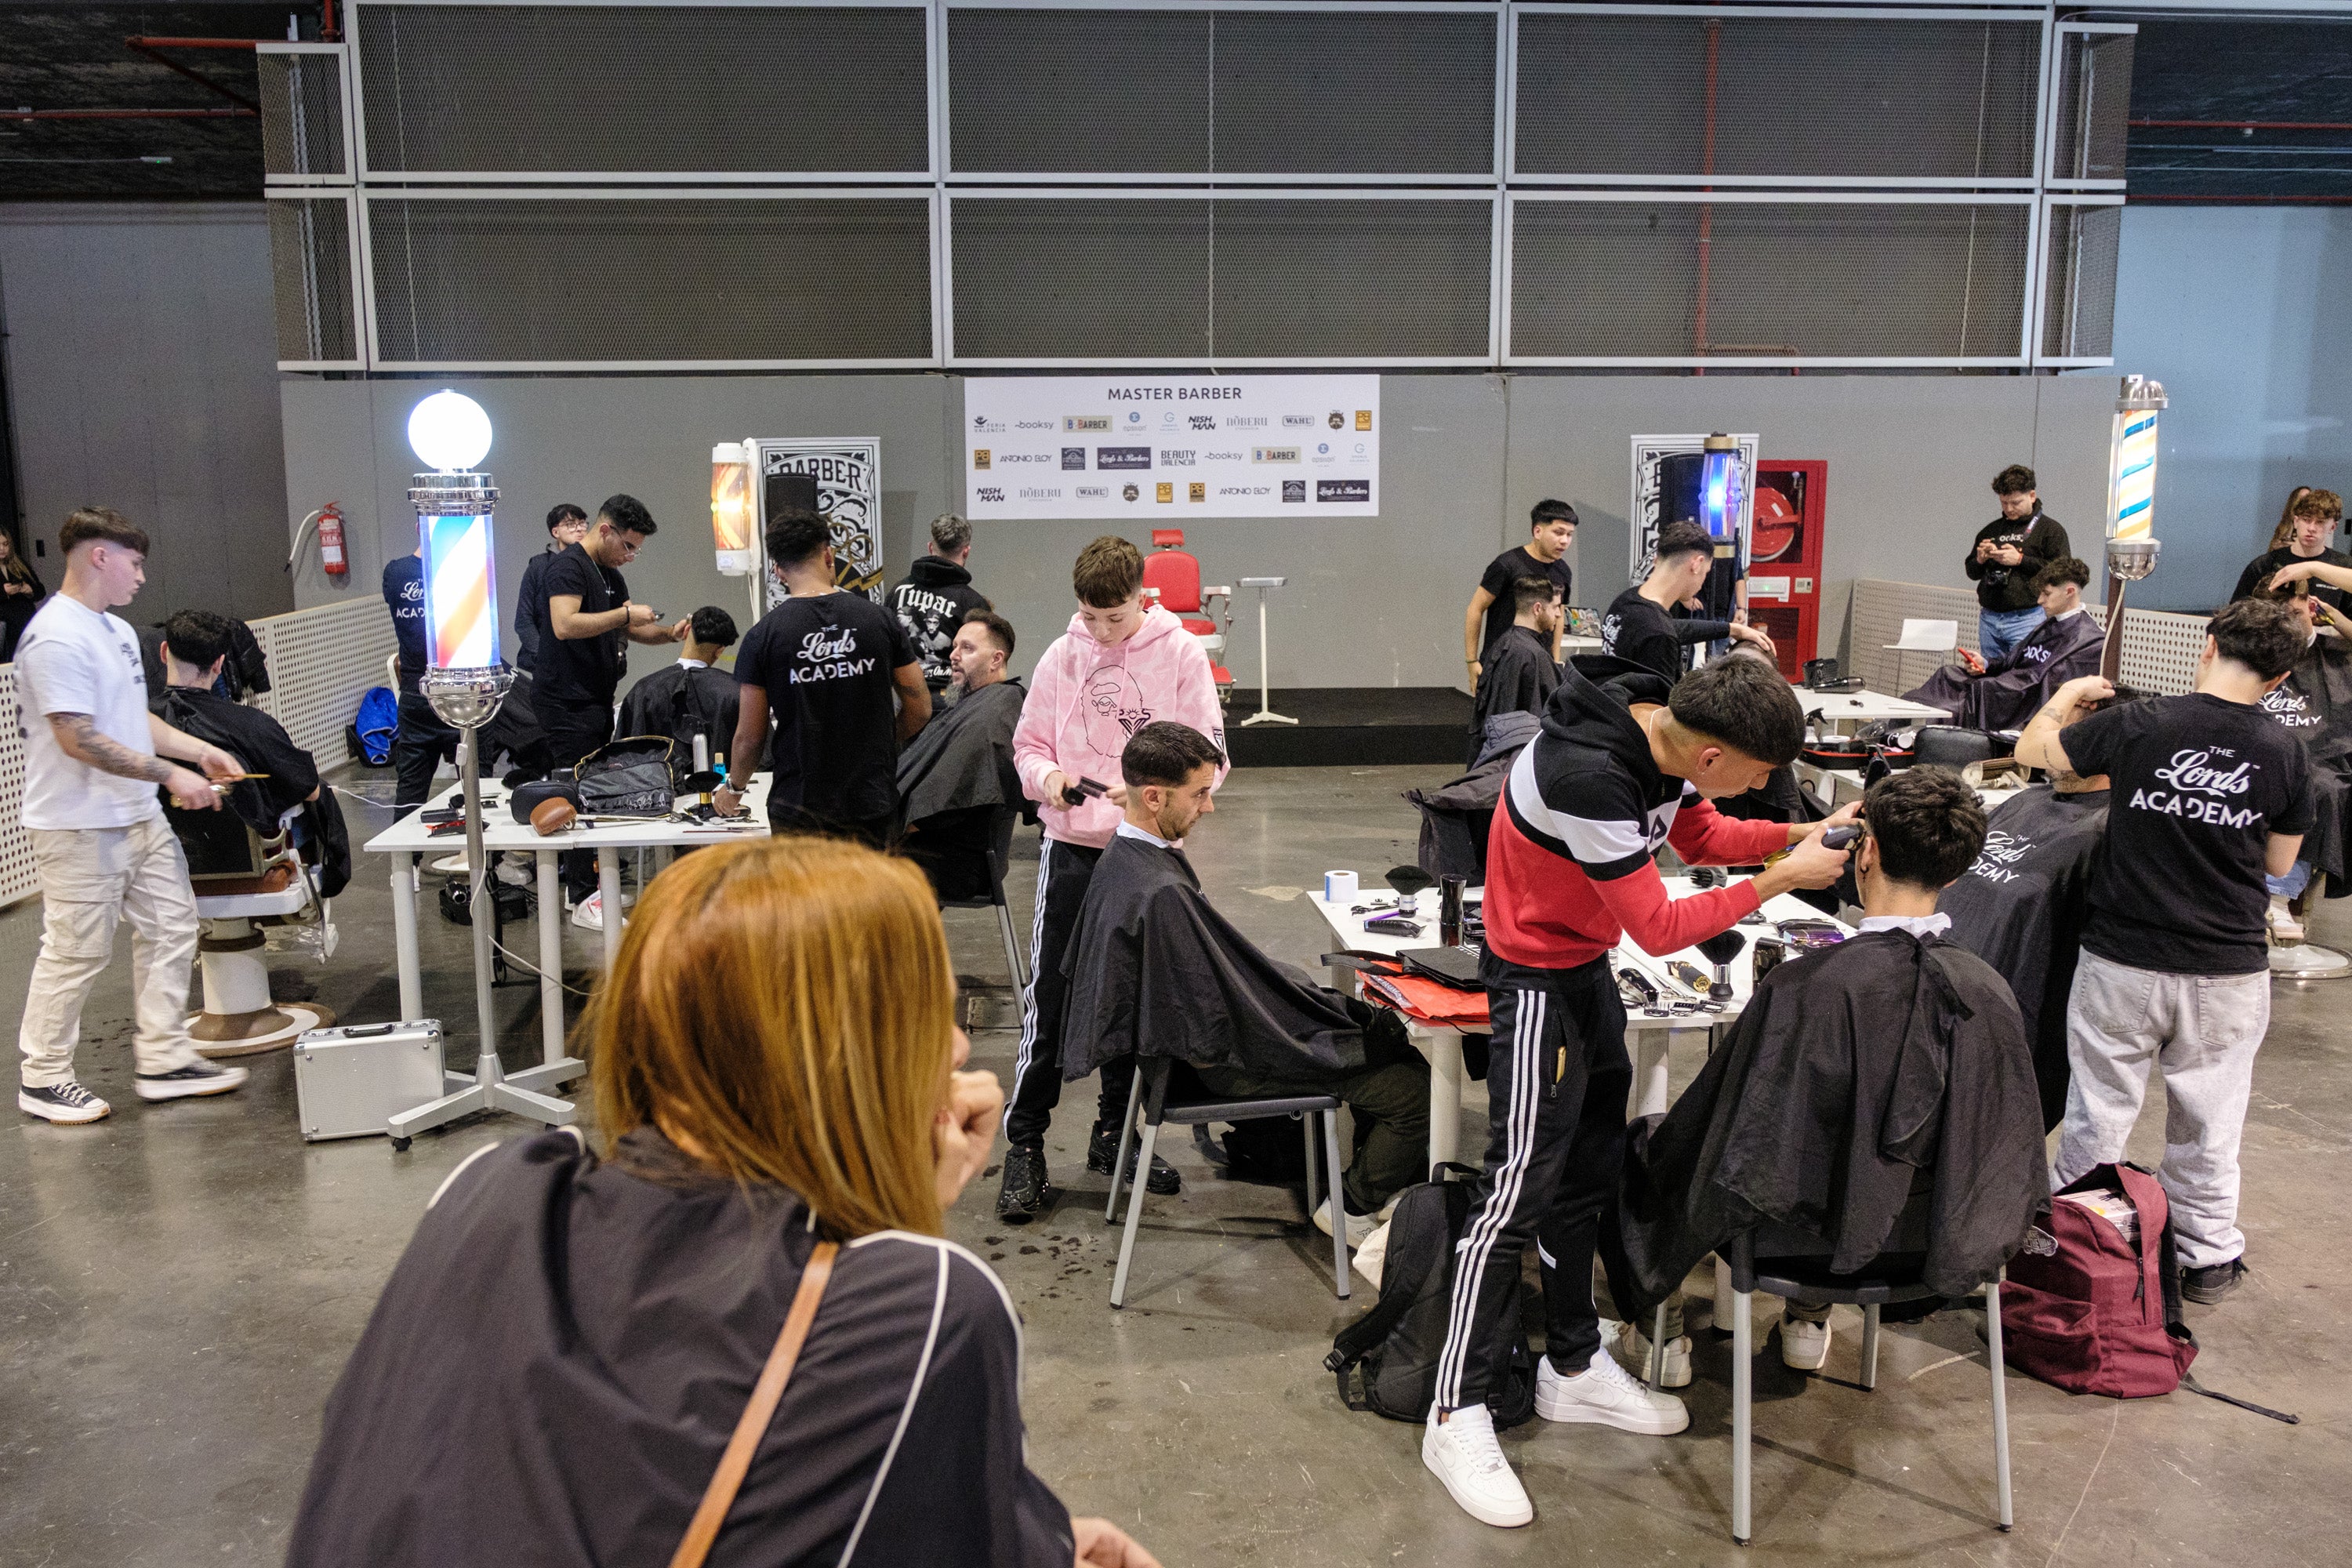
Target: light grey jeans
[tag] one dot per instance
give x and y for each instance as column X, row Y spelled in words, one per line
column 2202, row 1032
column 92, row 879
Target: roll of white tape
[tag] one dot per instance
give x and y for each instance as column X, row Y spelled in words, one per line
column 1339, row 887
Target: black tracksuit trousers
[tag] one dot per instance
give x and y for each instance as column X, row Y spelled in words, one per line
column 1063, row 872
column 1556, row 1087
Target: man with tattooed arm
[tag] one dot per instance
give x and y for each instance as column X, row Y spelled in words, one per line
column 94, row 757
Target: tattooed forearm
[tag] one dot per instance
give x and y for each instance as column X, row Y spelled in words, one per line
column 79, row 737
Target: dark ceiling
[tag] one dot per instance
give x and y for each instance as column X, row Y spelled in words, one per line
column 2271, row 104
column 73, row 57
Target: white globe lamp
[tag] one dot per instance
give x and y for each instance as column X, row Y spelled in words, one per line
column 449, row 433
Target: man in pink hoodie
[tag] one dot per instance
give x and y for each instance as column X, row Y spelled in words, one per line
column 1119, row 668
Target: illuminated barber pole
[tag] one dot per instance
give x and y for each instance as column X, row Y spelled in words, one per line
column 2132, row 544
column 2131, row 463
column 730, row 507
column 461, row 592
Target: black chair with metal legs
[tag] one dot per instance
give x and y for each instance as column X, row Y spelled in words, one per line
column 1151, row 1094
column 1784, row 1262
column 1000, row 855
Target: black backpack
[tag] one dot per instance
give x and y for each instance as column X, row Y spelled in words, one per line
column 1398, row 1342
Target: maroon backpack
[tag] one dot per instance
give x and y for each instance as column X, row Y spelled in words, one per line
column 2092, row 1312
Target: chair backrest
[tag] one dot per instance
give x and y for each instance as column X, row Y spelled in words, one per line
column 1177, row 575
column 1166, row 539
column 1948, row 746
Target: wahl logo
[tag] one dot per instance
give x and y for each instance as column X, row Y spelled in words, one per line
column 1298, row 421
column 979, row 456
column 1076, row 422
column 1092, row 492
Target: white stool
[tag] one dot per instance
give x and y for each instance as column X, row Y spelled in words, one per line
column 238, row 1017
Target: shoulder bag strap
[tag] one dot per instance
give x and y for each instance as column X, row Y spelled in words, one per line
column 720, row 1496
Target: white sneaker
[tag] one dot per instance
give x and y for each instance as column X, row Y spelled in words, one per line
column 1606, row 1394
column 1462, row 1452
column 588, row 914
column 2285, row 930
column 194, row 1080
column 1804, row 1346
column 1359, row 1225
column 67, row 1102
column 1632, row 1347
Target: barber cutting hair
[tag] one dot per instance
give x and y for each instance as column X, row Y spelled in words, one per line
column 1618, row 770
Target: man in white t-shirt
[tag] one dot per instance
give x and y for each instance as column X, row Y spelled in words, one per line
column 100, row 845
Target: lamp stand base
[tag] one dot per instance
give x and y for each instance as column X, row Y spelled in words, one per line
column 489, row 1087
column 1267, row 716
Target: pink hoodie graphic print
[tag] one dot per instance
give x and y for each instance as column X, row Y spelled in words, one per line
column 1085, row 701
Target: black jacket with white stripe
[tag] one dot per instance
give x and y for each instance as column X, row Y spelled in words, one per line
column 565, row 1348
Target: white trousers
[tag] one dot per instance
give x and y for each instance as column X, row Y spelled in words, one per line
column 2202, row 1032
column 92, row 879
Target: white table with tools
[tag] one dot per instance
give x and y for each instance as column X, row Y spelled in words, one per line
column 1651, row 1032
column 409, row 837
column 1864, row 706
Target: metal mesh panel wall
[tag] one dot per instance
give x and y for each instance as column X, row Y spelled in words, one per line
column 1310, row 92
column 1107, row 278
column 2090, row 121
column 1348, row 280
column 645, row 89
column 311, row 278
column 1812, row 97
column 17, row 877
column 1784, row 279
column 302, row 114
column 320, row 660
column 1070, row 278
column 2078, row 319
column 607, row 278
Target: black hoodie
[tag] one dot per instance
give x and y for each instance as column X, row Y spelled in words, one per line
column 1569, row 860
column 930, row 603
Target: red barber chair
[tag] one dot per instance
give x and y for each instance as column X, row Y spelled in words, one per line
column 1172, row 575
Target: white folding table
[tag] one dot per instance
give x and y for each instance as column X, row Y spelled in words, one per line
column 407, row 838
column 1650, row 1037
column 1838, row 708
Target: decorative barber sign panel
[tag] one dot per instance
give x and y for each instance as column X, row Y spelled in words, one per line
column 849, row 477
column 1159, row 450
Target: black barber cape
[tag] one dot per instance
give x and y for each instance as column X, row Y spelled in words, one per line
column 565, row 1348
column 1457, row 816
column 1155, row 971
column 2013, row 687
column 1852, row 1070
column 2314, row 703
column 1520, row 675
column 2021, row 908
column 963, row 759
column 261, row 744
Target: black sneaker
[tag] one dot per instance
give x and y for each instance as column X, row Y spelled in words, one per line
column 64, row 1103
column 2207, row 1287
column 1024, row 1197
column 196, row 1078
column 1102, row 1151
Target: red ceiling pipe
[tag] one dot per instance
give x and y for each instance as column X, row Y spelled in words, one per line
column 128, row 113
column 2243, row 124
column 149, row 47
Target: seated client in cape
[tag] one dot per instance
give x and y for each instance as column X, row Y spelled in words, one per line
column 2007, row 692
column 1156, row 972
column 1888, row 1069
column 956, row 777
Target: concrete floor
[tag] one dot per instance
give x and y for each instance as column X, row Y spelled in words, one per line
column 180, row 1285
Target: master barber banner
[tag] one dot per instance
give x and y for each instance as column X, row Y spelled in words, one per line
column 1156, row 449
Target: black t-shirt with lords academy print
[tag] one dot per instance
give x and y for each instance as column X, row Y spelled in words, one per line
column 2200, row 783
column 824, row 661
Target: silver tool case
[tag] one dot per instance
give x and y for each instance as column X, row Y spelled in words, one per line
column 348, row 1081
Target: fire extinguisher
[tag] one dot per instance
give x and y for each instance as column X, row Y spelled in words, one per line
column 331, row 544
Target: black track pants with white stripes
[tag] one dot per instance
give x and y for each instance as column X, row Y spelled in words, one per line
column 1063, row 871
column 1556, row 1087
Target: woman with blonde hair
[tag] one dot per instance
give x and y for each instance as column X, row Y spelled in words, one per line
column 740, row 1331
